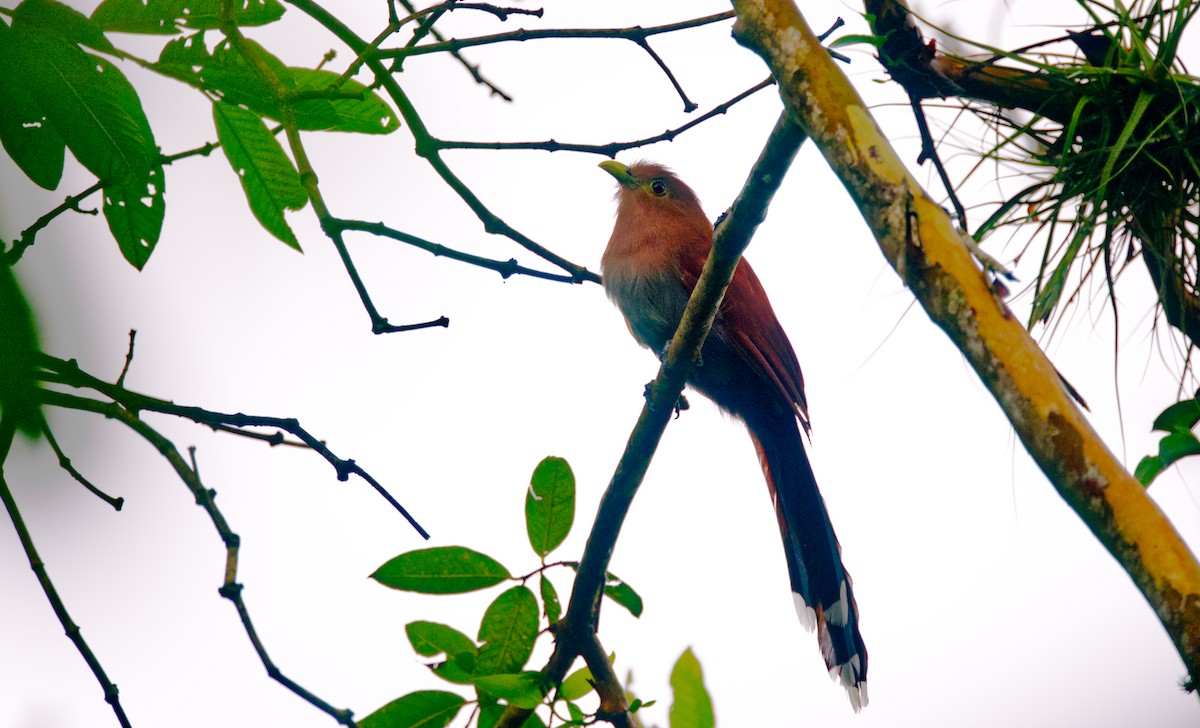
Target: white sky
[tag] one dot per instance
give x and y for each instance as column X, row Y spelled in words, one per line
column 984, row 600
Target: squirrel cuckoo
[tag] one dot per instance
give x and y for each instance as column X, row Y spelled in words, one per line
column 748, row 368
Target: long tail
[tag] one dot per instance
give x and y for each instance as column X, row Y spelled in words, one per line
column 820, row 585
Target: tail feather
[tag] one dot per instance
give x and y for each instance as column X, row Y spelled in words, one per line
column 821, row 589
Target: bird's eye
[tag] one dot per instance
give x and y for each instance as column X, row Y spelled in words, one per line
column 658, row 187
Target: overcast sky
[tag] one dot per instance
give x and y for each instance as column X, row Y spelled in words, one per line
column 984, row 600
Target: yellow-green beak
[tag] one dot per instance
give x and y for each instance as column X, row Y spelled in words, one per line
column 620, row 172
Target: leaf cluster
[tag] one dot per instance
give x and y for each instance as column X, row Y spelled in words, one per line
column 494, row 664
column 1118, row 176
column 60, row 91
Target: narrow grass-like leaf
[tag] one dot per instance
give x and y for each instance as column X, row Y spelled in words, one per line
column 1047, row 297
column 549, row 505
column 442, row 570
column 268, row 178
column 167, row 17
column 134, row 213
column 91, row 106
column 422, row 709
column 25, row 132
column 691, row 706
column 507, row 632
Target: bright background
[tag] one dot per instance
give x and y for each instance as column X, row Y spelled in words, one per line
column 984, row 600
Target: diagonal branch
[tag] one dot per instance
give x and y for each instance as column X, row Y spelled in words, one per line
column 575, row 634
column 69, row 373
column 7, row 430
column 918, row 239
column 206, row 499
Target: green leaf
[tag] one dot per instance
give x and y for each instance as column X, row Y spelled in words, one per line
column 691, row 707
column 442, row 570
column 617, row 590
column 422, row 709
column 855, row 39
column 431, row 639
column 18, row 388
column 550, row 505
column 523, row 689
column 369, row 114
column 225, row 72
column 623, row 594
column 90, row 104
column 550, row 600
column 507, row 632
column 25, row 132
column 268, row 178
column 57, row 19
column 134, row 213
column 1047, row 296
column 578, row 717
column 1179, row 417
column 577, row 684
column 1172, row 448
column 167, row 17
column 490, row 712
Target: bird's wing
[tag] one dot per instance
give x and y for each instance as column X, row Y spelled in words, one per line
column 756, row 337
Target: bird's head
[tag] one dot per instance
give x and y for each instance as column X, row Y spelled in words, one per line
column 650, row 186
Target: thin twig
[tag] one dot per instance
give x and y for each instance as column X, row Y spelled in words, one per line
column 69, row 373
column 426, row 147
column 111, row 694
column 128, row 358
column 472, row 68
column 633, row 34
column 65, row 463
column 612, row 148
column 205, row 498
column 29, row 235
column 506, row 268
column 929, row 152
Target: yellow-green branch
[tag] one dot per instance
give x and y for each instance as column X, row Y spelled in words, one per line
column 920, row 242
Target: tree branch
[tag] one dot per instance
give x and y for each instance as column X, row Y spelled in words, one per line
column 576, row 632
column 111, row 694
column 918, row 239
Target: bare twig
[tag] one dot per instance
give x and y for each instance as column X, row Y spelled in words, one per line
column 111, row 694
column 65, row 463
column 633, row 34
column 426, row 147
column 69, row 373
column 128, row 358
column 506, row 268
column 612, row 148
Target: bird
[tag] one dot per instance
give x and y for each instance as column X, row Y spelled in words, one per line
column 748, row 368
